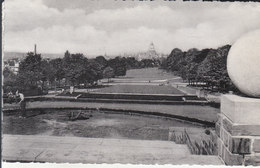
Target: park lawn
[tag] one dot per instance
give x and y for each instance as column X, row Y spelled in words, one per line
column 148, row 74
column 142, row 89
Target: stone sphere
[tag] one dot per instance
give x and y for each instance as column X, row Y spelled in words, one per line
column 243, row 64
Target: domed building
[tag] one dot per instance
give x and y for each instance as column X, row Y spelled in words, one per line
column 151, row 53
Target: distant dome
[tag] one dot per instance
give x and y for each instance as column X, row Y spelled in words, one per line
column 151, row 47
column 151, row 53
column 243, row 64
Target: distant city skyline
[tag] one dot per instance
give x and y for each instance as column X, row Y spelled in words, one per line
column 117, row 27
column 9, row 55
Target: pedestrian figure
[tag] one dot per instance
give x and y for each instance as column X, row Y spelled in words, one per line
column 10, row 94
column 16, row 96
column 22, row 106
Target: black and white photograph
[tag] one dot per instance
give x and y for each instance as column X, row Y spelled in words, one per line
column 140, row 82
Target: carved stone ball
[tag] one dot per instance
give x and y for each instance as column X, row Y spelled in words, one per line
column 243, row 64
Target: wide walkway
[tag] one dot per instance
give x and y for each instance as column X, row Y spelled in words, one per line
column 98, row 150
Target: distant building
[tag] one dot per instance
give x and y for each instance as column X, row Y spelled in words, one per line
column 47, row 59
column 12, row 65
column 149, row 54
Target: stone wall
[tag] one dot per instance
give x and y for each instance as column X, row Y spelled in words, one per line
column 238, row 130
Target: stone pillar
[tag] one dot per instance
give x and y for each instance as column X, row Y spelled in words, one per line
column 238, row 130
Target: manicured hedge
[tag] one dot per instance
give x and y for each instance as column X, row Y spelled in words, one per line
column 139, row 96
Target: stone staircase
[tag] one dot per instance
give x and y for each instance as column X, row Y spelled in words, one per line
column 34, row 148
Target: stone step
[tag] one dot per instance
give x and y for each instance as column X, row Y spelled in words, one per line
column 98, row 150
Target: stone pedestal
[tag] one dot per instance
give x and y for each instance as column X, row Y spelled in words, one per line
column 238, row 130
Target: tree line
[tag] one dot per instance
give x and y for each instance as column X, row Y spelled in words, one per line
column 206, row 67
column 71, row 70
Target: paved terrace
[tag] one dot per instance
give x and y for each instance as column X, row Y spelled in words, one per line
column 98, row 150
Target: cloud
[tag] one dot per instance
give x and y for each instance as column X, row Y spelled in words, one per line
column 125, row 29
column 57, row 39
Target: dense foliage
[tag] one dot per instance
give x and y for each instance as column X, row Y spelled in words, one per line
column 71, row 70
column 206, row 68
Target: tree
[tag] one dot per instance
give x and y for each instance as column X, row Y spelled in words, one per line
column 74, row 67
column 108, row 73
column 8, row 74
column 119, row 66
column 102, row 61
column 80, row 70
column 207, row 65
column 95, row 70
column 30, row 70
column 48, row 72
column 9, row 80
column 56, row 66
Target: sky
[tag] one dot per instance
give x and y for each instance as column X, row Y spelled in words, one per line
column 115, row 27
